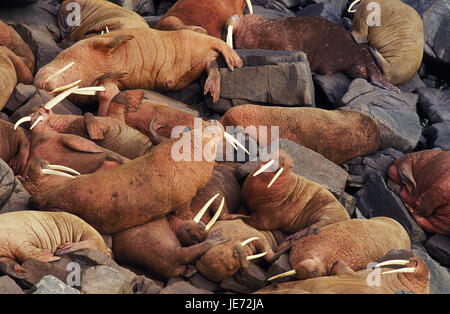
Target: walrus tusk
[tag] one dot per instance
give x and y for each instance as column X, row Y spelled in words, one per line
column 263, row 168
column 351, row 6
column 249, row 5
column 51, row 77
column 230, row 36
column 275, row 177
column 288, row 273
column 244, row 243
column 58, row 173
column 53, row 102
column 22, row 120
column 202, row 211
column 249, row 258
column 107, row 30
column 63, row 168
column 393, row 262
column 36, row 122
column 401, row 270
column 216, row 215
column 102, row 32
column 232, row 140
column 90, row 91
column 65, row 87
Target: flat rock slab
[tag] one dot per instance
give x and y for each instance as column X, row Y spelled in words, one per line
column 435, row 104
column 439, row 248
column 439, row 136
column 9, row 286
column 103, row 279
column 52, row 285
column 183, row 287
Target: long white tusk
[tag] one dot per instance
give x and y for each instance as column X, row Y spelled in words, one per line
column 249, row 258
column 401, row 270
column 89, row 90
column 216, row 215
column 36, row 122
column 288, row 273
column 51, row 77
column 85, row 92
column 107, row 30
column 264, row 168
column 63, row 168
column 58, row 173
column 244, row 243
column 65, row 87
column 230, row 36
column 102, row 32
column 202, row 211
column 231, row 139
column 393, row 262
column 275, row 177
column 351, row 6
column 53, row 102
column 22, row 120
column 249, row 5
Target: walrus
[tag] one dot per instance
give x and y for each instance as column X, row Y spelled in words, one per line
column 354, row 243
column 413, row 276
column 11, row 39
column 96, row 16
column 144, row 189
column 8, row 78
column 395, row 37
column 205, row 16
column 42, row 235
column 14, row 146
column 329, row 47
column 422, row 180
column 177, row 59
column 23, row 74
column 278, row 199
column 339, row 135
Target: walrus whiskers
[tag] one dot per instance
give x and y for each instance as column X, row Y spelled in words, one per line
column 393, row 262
column 64, row 168
column 264, row 168
column 249, row 258
column 21, row 120
column 36, row 122
column 65, row 87
column 58, row 173
column 244, row 243
column 51, row 77
column 275, row 177
column 401, row 270
column 202, row 211
column 286, row 274
column 216, row 215
column 230, row 36
column 351, row 6
column 249, row 5
column 53, row 102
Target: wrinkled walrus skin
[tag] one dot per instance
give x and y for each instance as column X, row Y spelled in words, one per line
column 96, row 16
column 292, row 203
column 356, row 282
column 329, row 47
column 40, row 235
column 8, row 78
column 144, row 189
column 207, row 16
column 339, row 135
column 422, row 180
column 355, row 243
column 398, row 40
column 177, row 58
column 14, row 146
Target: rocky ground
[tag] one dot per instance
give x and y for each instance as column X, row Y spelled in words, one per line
column 416, row 119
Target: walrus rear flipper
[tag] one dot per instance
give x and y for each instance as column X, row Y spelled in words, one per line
column 11, row 268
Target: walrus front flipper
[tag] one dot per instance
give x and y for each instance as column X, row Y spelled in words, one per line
column 80, row 144
column 76, row 246
column 11, row 268
column 381, row 61
column 92, row 126
column 339, row 268
column 155, row 138
column 212, row 84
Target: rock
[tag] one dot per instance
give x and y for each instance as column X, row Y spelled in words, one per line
column 281, row 265
column 51, row 285
column 4, row 116
column 183, row 287
column 182, row 99
column 413, row 84
column 200, row 282
column 291, row 3
column 310, row 165
column 144, row 285
column 436, row 26
column 19, row 96
column 162, row 7
column 325, row 10
column 334, row 87
column 103, row 279
column 9, row 286
column 439, row 136
column 271, row 9
column 438, row 246
column 253, row 277
column 439, row 275
column 152, row 20
column 13, row 196
column 16, row 2
column 274, row 81
column 435, row 104
column 375, row 199
column 349, row 203
column 36, row 270
column 419, row 5
column 232, row 284
column 141, row 7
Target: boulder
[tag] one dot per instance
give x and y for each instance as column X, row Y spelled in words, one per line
column 434, row 103
column 141, row 7
column 438, row 246
column 436, row 26
column 326, row 10
column 9, row 286
column 103, row 279
column 13, row 196
column 439, row 135
column 52, row 285
column 271, row 9
column 183, row 287
column 333, row 87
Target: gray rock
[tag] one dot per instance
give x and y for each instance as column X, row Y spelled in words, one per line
column 271, row 9
column 4, row 116
column 104, row 280
column 333, row 86
column 144, row 285
column 436, row 26
column 413, row 84
column 326, row 10
column 9, row 286
column 183, row 287
column 182, row 99
column 439, row 275
column 419, row 5
column 141, row 7
column 152, row 20
column 200, row 282
column 253, row 277
column 435, row 104
column 17, row 2
column 349, row 203
column 291, row 3
column 232, row 284
column 13, row 196
column 19, row 96
column 51, row 285
column 375, row 199
column 281, row 265
column 438, row 246
column 36, row 270
column 440, row 135
column 162, row 7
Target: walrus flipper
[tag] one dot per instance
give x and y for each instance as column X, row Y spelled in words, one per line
column 11, row 268
column 92, row 126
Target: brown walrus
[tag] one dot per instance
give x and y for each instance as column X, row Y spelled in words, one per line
column 177, row 59
column 205, row 16
column 397, row 37
column 349, row 282
column 40, row 235
column 354, row 243
column 291, row 203
column 8, row 78
column 339, row 135
column 422, row 180
column 144, row 189
column 329, row 47
column 96, row 16
column 14, row 146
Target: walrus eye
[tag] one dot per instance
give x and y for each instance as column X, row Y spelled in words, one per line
column 235, row 255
